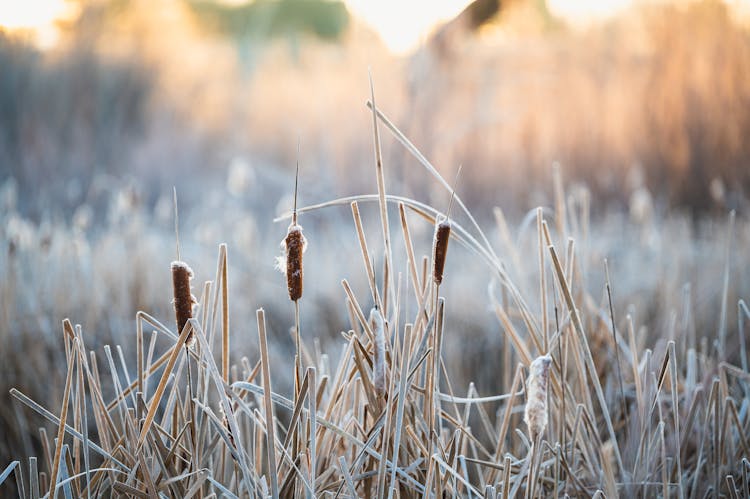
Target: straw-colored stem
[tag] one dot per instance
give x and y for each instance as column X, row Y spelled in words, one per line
column 175, row 352
column 380, row 174
column 54, row 470
column 224, row 314
column 267, row 402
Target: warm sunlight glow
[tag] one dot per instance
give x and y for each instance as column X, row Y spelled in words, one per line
column 404, row 24
column 36, row 17
column 579, row 12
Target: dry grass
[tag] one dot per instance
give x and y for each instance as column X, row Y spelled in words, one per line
column 624, row 417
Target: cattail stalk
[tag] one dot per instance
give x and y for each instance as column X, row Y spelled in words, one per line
column 440, row 241
column 535, row 415
column 294, row 245
column 377, row 326
column 440, row 250
column 183, row 299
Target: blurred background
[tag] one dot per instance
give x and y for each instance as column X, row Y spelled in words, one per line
column 107, row 104
column 625, row 94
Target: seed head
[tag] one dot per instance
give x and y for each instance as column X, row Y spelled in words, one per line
column 293, row 246
column 440, row 250
column 183, row 299
column 535, row 416
column 377, row 326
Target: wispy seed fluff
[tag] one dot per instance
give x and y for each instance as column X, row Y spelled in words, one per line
column 290, row 263
column 183, row 298
column 440, row 249
column 377, row 326
column 535, row 416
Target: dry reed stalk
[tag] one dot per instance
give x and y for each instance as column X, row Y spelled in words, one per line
column 542, row 281
column 410, row 257
column 586, row 353
column 270, row 425
column 312, row 405
column 365, row 254
column 224, row 313
column 722, row 333
column 377, row 326
column 623, row 403
column 506, row 477
column 560, row 214
column 54, row 469
column 380, row 173
column 173, row 354
column 402, row 388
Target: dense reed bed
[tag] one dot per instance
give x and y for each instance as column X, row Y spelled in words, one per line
column 585, row 402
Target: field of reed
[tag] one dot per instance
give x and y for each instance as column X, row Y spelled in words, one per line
column 407, row 351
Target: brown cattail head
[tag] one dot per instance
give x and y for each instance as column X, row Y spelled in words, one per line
column 440, row 249
column 294, row 245
column 183, row 299
column 378, row 365
column 535, row 415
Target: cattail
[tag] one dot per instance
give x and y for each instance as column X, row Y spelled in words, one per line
column 376, row 324
column 183, row 299
column 440, row 241
column 535, row 416
column 293, row 246
column 440, row 250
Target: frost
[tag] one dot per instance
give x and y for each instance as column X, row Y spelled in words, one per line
column 180, row 264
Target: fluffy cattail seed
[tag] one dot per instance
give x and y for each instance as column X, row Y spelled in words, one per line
column 376, row 324
column 440, row 250
column 183, row 299
column 535, row 416
column 293, row 246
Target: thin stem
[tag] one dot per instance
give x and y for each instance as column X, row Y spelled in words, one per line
column 176, row 221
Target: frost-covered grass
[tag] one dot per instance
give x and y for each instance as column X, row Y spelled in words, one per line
column 647, row 393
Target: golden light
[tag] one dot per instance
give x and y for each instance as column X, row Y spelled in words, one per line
column 402, row 25
column 581, row 12
column 35, row 17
